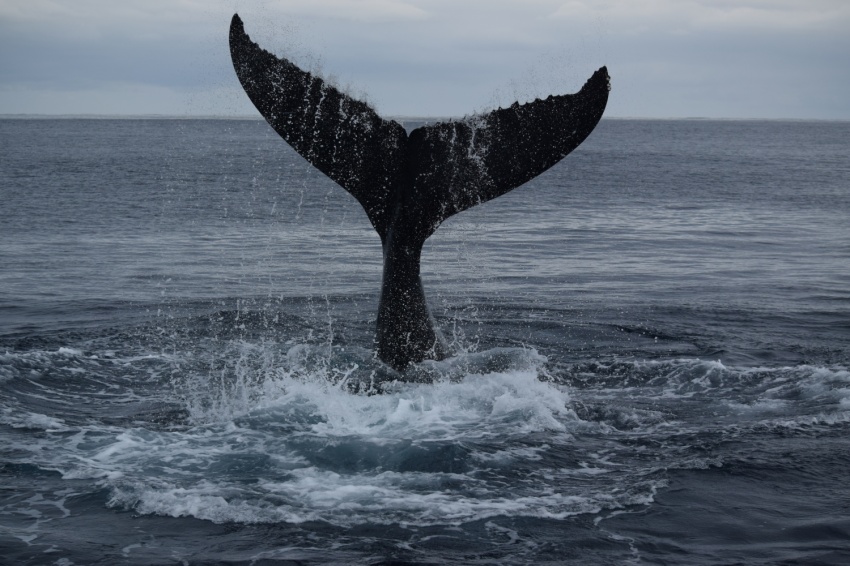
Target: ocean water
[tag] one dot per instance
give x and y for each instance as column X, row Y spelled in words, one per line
column 652, row 355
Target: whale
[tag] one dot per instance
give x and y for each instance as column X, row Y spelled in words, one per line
column 409, row 184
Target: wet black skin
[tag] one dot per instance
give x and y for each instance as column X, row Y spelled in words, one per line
column 409, row 184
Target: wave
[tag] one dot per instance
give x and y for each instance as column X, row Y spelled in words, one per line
column 265, row 432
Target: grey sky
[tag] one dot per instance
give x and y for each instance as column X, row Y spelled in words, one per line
column 667, row 58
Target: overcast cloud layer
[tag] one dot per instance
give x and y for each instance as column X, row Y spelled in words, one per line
column 667, row 58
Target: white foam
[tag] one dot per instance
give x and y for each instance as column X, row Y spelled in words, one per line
column 253, row 460
column 276, row 437
column 29, row 420
column 65, row 351
column 300, row 390
column 384, row 498
column 478, row 406
column 759, row 405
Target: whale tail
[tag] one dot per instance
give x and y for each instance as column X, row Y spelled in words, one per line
column 409, row 184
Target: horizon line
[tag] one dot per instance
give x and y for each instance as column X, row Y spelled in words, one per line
column 257, row 117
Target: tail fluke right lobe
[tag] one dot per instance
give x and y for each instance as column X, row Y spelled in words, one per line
column 462, row 163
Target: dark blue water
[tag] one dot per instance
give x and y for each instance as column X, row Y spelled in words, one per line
column 652, row 355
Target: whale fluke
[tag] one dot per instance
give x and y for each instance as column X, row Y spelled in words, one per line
column 409, row 184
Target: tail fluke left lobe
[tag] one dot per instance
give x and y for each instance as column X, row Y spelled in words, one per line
column 341, row 136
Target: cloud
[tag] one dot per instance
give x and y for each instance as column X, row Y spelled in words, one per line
column 374, row 11
column 683, row 16
column 94, row 20
column 765, row 58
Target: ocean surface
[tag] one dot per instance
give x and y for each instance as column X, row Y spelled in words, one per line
column 652, row 354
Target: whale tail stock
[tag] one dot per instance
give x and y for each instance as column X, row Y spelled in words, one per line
column 409, row 184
